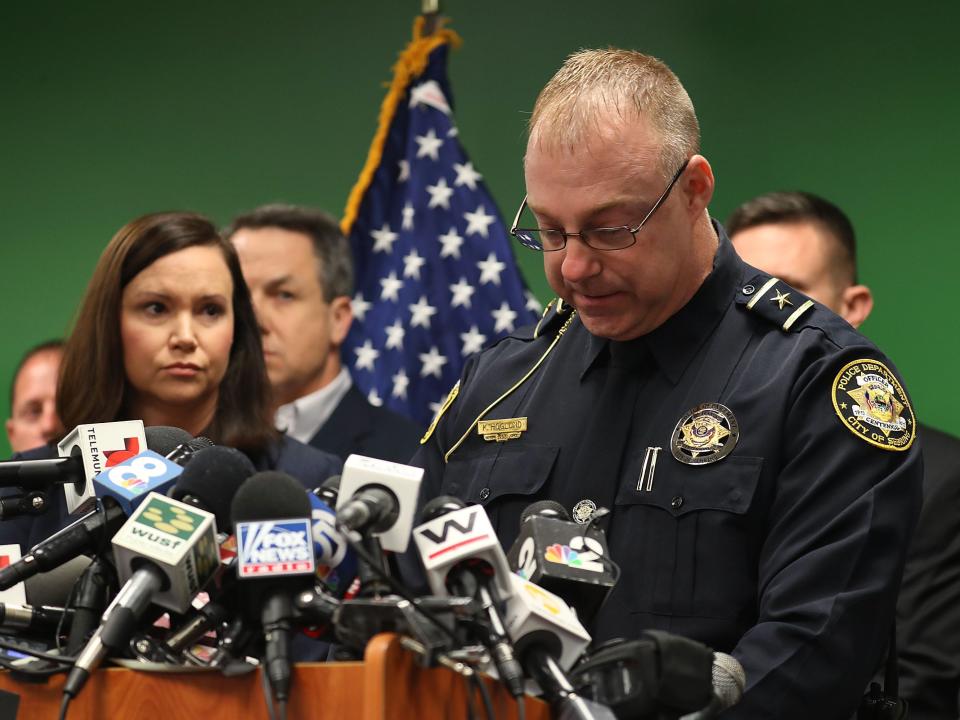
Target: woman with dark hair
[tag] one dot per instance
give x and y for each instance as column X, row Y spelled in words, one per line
column 166, row 334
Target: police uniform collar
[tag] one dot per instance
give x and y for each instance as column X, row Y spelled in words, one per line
column 675, row 343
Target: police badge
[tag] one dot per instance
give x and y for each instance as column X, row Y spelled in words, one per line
column 880, row 411
column 705, row 434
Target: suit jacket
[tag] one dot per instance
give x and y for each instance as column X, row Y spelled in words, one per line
column 356, row 426
column 928, row 609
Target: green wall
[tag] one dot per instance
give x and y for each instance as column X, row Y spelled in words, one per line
column 109, row 110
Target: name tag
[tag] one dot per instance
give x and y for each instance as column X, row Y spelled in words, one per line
column 502, row 430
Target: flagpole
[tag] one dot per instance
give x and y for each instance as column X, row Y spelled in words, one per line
column 430, row 9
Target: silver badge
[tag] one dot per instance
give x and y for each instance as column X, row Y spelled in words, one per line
column 705, row 434
column 583, row 511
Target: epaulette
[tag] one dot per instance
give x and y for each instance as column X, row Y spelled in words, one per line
column 774, row 300
column 555, row 314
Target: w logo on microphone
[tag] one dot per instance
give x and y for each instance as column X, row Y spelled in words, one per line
column 448, row 526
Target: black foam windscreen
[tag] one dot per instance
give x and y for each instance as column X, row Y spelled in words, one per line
column 213, row 477
column 546, row 508
column 440, row 505
column 270, row 495
column 53, row 587
column 163, row 439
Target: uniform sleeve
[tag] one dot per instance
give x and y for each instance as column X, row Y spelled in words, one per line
column 841, row 518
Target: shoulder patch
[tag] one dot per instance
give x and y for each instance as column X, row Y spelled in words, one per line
column 773, row 299
column 872, row 404
column 451, row 396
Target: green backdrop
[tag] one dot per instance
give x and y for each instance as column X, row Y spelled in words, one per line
column 109, row 110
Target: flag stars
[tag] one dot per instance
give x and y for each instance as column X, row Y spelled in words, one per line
column 421, row 312
column 451, row 243
column 359, row 306
column 432, row 361
column 504, row 317
column 390, row 287
column 440, row 194
column 383, row 239
column 533, row 305
column 408, row 212
column 395, row 335
column 373, row 397
column 490, row 269
column 404, row 171
column 366, row 356
column 428, row 145
column 400, row 383
column 473, row 341
column 462, row 291
column 478, row 221
column 412, row 262
column 466, row 175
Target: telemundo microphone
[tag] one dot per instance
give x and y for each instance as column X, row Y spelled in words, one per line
column 85, row 452
column 164, row 553
column 271, row 516
column 121, row 488
column 461, row 555
column 569, row 559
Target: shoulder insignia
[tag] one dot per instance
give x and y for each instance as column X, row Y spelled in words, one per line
column 451, row 396
column 774, row 300
column 873, row 405
column 555, row 314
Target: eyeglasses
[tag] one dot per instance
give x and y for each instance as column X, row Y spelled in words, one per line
column 608, row 238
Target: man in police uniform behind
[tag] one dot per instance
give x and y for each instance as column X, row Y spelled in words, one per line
column 757, row 453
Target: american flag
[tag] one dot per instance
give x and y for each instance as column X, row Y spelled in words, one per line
column 436, row 276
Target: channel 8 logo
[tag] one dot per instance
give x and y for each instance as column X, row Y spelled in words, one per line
column 141, row 474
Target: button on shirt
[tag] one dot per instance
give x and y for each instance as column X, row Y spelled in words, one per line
column 302, row 418
column 786, row 552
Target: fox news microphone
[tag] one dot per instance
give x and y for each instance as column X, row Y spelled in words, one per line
column 564, row 557
column 462, row 556
column 379, row 498
column 271, row 517
column 121, row 487
column 164, row 554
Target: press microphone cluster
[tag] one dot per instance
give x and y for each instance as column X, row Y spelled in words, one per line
column 246, row 563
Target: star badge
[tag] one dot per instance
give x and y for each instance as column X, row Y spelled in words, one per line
column 782, row 299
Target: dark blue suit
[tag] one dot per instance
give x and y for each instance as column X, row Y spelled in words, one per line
column 358, row 427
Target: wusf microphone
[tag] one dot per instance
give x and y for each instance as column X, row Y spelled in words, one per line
column 271, row 517
column 462, row 556
column 564, row 557
column 165, row 553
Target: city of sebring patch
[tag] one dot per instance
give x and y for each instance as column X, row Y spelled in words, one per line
column 873, row 405
column 705, row 434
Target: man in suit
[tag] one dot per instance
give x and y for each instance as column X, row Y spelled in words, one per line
column 809, row 243
column 299, row 269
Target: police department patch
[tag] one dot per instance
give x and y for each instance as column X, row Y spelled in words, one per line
column 873, row 405
column 707, row 433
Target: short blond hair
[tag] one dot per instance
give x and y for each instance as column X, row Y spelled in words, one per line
column 593, row 82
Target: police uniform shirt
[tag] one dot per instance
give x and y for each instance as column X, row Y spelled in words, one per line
column 763, row 478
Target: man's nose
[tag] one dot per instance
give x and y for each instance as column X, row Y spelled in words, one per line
column 580, row 261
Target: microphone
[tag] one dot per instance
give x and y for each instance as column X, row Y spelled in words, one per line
column 31, row 618
column 100, row 446
column 164, row 554
column 728, row 680
column 461, row 553
column 211, row 480
column 271, row 516
column 123, row 487
column 379, row 497
column 569, row 559
column 336, row 563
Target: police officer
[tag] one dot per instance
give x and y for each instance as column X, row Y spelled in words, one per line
column 756, row 452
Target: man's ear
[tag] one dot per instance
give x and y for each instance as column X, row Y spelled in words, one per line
column 8, row 426
column 856, row 304
column 341, row 316
column 698, row 184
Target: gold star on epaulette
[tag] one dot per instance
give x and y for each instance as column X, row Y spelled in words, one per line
column 782, row 299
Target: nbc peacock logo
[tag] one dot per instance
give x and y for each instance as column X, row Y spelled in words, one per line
column 563, row 555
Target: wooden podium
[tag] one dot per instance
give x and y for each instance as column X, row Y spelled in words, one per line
column 388, row 684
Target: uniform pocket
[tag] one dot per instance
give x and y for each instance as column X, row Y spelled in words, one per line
column 690, row 542
column 503, row 479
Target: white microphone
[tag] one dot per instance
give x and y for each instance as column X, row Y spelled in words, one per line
column 379, row 497
column 729, row 680
column 100, row 446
